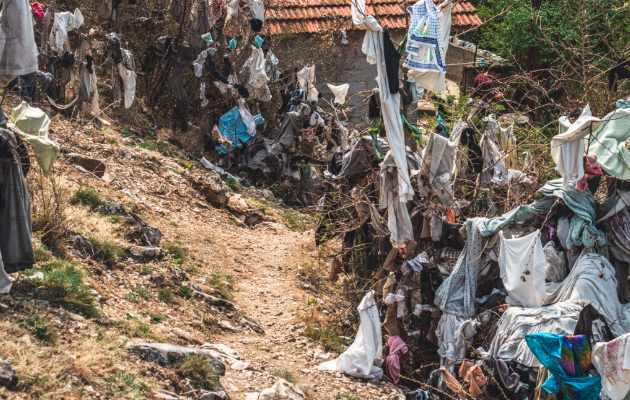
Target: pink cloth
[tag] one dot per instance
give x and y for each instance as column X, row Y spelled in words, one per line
column 38, row 9
column 397, row 348
column 591, row 169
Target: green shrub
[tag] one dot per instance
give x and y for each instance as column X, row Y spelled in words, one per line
column 329, row 340
column 165, row 295
column 220, row 281
column 185, row 292
column 135, row 328
column 177, row 251
column 285, row 374
column 142, row 291
column 40, row 327
column 198, row 370
column 232, row 183
column 42, row 253
column 87, row 196
column 158, row 319
column 63, row 284
column 103, row 250
column 132, row 298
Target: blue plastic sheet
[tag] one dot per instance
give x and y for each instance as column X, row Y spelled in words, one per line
column 231, row 126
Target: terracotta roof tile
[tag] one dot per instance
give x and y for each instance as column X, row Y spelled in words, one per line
column 310, row 16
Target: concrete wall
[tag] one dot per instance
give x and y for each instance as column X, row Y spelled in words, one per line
column 347, row 64
column 457, row 55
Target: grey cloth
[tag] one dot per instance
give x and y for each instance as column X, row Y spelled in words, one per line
column 366, row 210
column 435, row 171
column 177, row 89
column 622, row 272
column 128, row 60
column 398, row 220
column 561, row 318
column 292, row 123
column 356, row 160
column 592, row 281
column 555, row 268
column 563, row 231
column 582, row 231
column 622, row 200
column 618, row 227
column 46, row 30
column 199, row 26
column 16, row 246
column 456, row 295
column 86, row 83
column 18, row 50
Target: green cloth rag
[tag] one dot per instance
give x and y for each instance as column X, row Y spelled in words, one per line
column 609, row 143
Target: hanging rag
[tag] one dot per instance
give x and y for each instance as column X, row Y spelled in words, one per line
column 435, row 173
column 38, row 9
column 216, row 8
column 16, row 245
column 18, row 50
column 567, row 148
column 258, row 41
column 64, row 22
column 358, row 359
column 522, row 266
column 452, row 383
column 397, row 350
column 582, row 230
column 592, row 281
column 258, row 79
column 456, row 295
column 591, row 170
column 508, row 379
column 248, row 120
column 374, row 48
column 427, row 44
column 306, row 79
column 568, row 359
column 202, row 94
column 612, row 361
column 609, row 143
column 472, row 373
column 340, row 92
column 31, row 124
column 555, row 268
column 128, row 80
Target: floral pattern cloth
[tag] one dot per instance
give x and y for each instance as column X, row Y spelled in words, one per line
column 612, row 361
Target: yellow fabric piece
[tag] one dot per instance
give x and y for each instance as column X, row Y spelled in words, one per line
column 508, row 145
column 32, row 126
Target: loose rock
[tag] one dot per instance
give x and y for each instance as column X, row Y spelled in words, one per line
column 8, row 377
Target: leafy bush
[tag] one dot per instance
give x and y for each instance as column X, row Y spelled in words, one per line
column 40, row 327
column 165, row 295
column 103, row 250
column 198, row 370
column 87, row 196
column 177, row 251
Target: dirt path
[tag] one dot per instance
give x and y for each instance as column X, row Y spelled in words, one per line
column 272, row 295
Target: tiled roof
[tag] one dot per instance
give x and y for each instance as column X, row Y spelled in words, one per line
column 311, row 16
